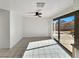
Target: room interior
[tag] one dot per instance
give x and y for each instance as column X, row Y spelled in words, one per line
column 38, row 25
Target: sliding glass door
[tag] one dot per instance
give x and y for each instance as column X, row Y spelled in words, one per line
column 67, row 32
column 63, row 31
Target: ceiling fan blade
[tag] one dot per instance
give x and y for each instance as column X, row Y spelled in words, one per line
column 39, row 16
column 31, row 12
column 40, row 13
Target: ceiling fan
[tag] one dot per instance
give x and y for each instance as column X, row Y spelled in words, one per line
column 36, row 13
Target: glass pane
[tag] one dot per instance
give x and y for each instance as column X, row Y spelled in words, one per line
column 67, row 32
column 55, row 29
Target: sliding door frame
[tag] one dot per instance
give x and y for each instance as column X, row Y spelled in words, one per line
column 76, row 29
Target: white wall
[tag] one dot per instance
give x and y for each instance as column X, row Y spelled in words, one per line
column 16, row 28
column 5, row 4
column 4, row 29
column 36, row 27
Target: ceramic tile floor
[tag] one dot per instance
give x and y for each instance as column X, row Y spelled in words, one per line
column 45, row 49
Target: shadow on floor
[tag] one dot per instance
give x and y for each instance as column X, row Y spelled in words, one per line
column 41, row 47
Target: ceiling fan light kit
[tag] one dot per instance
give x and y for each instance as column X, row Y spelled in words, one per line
column 40, row 4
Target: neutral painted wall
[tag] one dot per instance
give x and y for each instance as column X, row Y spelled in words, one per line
column 36, row 27
column 16, row 28
column 4, row 29
column 5, row 4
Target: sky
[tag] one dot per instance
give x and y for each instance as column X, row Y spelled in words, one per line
column 69, row 19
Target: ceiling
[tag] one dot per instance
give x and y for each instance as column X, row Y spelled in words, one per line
column 51, row 6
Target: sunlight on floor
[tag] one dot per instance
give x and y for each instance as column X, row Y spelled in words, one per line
column 45, row 49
